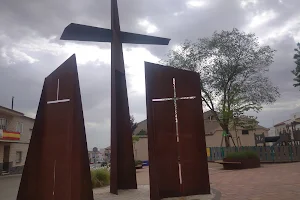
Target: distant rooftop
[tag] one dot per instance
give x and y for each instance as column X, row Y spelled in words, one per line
column 14, row 112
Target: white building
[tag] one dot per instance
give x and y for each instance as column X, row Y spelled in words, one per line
column 97, row 156
column 272, row 132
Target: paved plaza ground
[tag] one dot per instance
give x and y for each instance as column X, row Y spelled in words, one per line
column 270, row 182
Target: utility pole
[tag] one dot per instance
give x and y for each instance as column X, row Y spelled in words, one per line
column 12, row 102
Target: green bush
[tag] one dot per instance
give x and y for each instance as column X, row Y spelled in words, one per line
column 242, row 155
column 138, row 162
column 100, row 177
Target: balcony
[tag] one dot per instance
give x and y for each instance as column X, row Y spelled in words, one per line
column 9, row 135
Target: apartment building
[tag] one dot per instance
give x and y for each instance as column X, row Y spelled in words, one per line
column 15, row 133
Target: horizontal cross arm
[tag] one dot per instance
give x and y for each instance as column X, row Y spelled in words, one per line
column 185, row 98
column 81, row 32
column 164, row 99
column 58, row 101
column 134, row 38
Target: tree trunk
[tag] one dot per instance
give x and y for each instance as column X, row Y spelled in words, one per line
column 227, row 143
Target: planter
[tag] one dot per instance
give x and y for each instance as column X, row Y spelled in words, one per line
column 245, row 163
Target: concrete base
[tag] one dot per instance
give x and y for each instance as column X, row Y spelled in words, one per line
column 143, row 193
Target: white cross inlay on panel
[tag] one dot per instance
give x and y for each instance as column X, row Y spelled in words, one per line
column 54, row 172
column 57, row 94
column 175, row 99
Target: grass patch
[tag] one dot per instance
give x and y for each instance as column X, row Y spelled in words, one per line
column 242, row 155
column 100, row 177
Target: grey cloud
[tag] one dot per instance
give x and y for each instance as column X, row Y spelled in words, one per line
column 44, row 19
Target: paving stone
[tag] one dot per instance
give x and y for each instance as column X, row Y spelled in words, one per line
column 142, row 193
column 270, row 182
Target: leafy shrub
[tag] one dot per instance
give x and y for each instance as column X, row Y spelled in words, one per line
column 100, row 177
column 138, row 162
column 242, row 155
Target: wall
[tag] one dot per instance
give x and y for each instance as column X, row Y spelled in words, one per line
column 27, row 126
column 17, row 168
column 271, row 132
column 246, row 140
column 141, row 149
column 1, row 156
column 20, row 145
column 279, row 128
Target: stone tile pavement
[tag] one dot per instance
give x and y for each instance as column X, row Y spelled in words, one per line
column 270, row 182
column 142, row 193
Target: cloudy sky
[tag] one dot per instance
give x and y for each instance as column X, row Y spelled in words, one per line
column 30, row 48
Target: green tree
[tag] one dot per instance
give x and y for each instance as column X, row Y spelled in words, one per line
column 296, row 71
column 232, row 66
column 133, row 124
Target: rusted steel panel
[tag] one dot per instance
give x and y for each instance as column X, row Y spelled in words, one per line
column 162, row 133
column 166, row 149
column 191, row 148
column 60, row 169
column 192, row 135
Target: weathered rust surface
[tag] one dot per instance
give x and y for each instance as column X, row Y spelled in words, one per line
column 57, row 164
column 164, row 150
column 191, row 135
column 165, row 147
column 122, row 160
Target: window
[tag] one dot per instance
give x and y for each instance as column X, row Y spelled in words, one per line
column 3, row 123
column 19, row 127
column 19, row 157
column 245, row 132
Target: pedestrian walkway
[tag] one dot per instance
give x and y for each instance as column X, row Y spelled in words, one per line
column 270, row 182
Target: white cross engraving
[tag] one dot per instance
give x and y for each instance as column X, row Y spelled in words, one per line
column 57, row 94
column 54, row 172
column 175, row 99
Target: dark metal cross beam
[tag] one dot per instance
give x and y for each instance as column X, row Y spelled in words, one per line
column 123, row 175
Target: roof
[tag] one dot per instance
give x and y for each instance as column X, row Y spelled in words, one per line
column 11, row 110
column 281, row 123
column 15, row 112
column 29, row 117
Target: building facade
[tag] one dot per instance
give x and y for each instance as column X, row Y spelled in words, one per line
column 15, row 134
column 97, row 156
column 107, row 153
column 282, row 126
column 213, row 135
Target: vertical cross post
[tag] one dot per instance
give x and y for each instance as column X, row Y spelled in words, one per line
column 123, row 173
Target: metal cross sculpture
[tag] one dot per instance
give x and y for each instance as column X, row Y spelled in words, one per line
column 123, row 175
column 175, row 99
